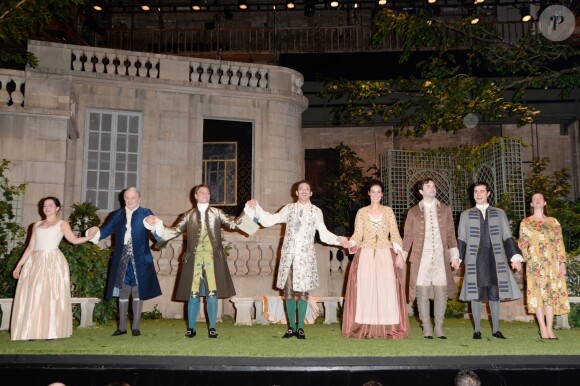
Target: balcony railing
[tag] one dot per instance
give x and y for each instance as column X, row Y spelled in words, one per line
column 237, row 40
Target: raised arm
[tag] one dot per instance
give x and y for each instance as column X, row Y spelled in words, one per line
column 163, row 233
column 71, row 237
column 326, row 236
column 268, row 219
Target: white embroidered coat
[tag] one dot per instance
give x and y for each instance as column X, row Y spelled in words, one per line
column 298, row 247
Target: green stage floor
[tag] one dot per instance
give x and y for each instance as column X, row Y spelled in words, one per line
column 165, row 337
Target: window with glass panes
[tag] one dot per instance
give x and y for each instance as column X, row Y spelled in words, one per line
column 220, row 171
column 112, row 143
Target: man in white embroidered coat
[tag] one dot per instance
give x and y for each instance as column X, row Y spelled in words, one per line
column 486, row 246
column 430, row 232
column 297, row 272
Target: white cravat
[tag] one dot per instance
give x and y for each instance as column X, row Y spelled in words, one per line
column 202, row 209
column 428, row 205
column 129, row 214
column 482, row 208
column 302, row 209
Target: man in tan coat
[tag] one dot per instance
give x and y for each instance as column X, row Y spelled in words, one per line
column 429, row 230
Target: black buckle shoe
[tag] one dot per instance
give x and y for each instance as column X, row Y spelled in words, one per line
column 190, row 333
column 442, row 337
column 300, row 334
column 498, row 335
column 289, row 334
column 212, row 333
column 477, row 335
column 135, row 332
column 119, row 332
column 428, row 337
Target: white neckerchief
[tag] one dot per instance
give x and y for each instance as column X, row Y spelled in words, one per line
column 129, row 215
column 202, row 209
column 302, row 208
column 482, row 208
column 429, row 205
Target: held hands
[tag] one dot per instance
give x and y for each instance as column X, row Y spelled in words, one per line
column 91, row 232
column 151, row 220
column 399, row 262
column 455, row 264
column 344, row 242
column 252, row 203
column 517, row 265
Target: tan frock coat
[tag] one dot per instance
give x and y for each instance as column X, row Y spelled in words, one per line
column 414, row 237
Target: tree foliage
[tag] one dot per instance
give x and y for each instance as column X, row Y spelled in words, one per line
column 20, row 19
column 448, row 87
column 554, row 187
column 11, row 232
column 347, row 194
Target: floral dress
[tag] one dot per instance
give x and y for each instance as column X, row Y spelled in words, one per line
column 543, row 249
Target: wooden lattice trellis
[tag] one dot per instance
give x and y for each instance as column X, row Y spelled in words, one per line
column 499, row 164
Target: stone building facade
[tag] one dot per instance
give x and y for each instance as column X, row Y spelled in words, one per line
column 45, row 118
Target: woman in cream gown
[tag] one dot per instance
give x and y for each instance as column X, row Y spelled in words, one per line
column 374, row 305
column 42, row 307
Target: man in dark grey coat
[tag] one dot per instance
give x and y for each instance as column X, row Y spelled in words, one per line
column 485, row 242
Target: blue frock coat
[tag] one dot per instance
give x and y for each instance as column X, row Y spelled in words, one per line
column 146, row 274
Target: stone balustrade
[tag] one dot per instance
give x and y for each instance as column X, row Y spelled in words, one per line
column 91, row 60
column 83, row 60
column 244, row 258
column 126, row 63
column 12, row 89
column 228, row 73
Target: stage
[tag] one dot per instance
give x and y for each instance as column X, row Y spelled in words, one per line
column 256, row 355
column 101, row 370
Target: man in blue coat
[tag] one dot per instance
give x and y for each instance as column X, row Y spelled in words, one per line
column 131, row 271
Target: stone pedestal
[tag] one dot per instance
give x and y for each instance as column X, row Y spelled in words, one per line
column 243, row 307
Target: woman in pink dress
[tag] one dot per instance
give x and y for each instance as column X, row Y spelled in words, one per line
column 42, row 307
column 374, row 305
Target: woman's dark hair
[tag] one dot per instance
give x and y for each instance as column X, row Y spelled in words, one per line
column 54, row 199
column 375, row 183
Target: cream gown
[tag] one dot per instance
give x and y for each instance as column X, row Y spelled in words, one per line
column 42, row 307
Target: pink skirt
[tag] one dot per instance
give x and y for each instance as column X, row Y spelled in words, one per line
column 374, row 304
